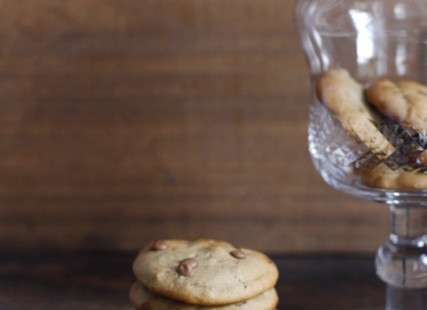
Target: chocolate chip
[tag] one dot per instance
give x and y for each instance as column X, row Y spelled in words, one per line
column 145, row 305
column 186, row 266
column 159, row 245
column 239, row 254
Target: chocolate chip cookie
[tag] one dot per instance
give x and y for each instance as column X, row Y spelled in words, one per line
column 403, row 101
column 204, row 272
column 345, row 99
column 383, row 177
column 143, row 299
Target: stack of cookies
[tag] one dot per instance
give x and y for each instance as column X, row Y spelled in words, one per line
column 203, row 274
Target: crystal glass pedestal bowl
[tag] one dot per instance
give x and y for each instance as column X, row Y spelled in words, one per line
column 373, row 41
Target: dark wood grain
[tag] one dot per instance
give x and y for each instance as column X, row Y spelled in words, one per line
column 102, row 280
column 126, row 121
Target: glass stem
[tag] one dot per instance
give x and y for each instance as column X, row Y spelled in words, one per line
column 402, row 260
column 408, row 226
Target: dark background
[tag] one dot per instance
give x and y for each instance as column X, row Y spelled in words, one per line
column 126, row 121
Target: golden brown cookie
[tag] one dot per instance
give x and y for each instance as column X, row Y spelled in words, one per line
column 385, row 178
column 344, row 98
column 403, row 101
column 204, row 271
column 144, row 300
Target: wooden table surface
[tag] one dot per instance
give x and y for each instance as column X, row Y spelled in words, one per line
column 101, row 281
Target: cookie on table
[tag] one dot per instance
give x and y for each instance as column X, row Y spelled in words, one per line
column 204, row 271
column 344, row 97
column 144, row 300
column 403, row 101
column 385, row 178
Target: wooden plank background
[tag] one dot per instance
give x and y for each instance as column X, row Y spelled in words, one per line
column 126, row 121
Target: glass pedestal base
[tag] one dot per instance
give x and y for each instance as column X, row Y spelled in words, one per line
column 400, row 299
